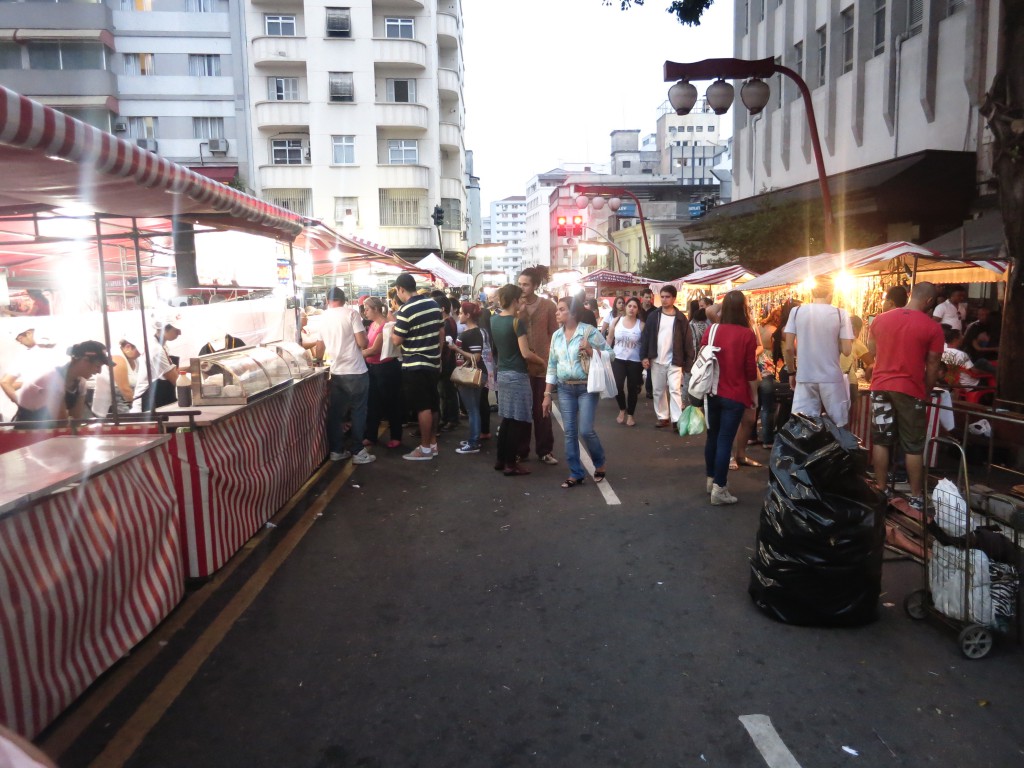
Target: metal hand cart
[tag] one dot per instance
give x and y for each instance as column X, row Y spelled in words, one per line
column 958, row 584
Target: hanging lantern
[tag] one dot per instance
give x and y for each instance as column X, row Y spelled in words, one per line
column 598, row 203
column 582, row 201
column 720, row 95
column 682, row 96
column 754, row 95
column 614, row 204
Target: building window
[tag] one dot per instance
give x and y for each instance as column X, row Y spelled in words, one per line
column 402, row 90
column 399, row 28
column 847, row 20
column 139, row 64
column 339, row 22
column 626, row 163
column 700, row 129
column 204, row 64
column 915, row 17
column 66, row 55
column 879, row 31
column 346, row 210
column 822, row 55
column 342, row 88
column 798, row 58
column 200, row 6
column 401, row 207
column 954, row 5
column 452, row 213
column 207, row 127
column 298, row 201
column 279, row 26
column 97, row 117
column 403, row 152
column 136, row 5
column 142, row 127
column 286, row 151
column 689, row 129
column 283, row 88
column 343, row 150
column 10, row 56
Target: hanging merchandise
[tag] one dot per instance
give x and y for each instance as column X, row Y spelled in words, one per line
column 818, row 554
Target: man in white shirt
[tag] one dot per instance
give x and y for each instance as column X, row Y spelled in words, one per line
column 953, row 311
column 668, row 356
column 150, row 393
column 344, row 338
column 815, row 336
column 954, row 357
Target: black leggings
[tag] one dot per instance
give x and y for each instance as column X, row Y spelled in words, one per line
column 509, row 435
column 627, row 372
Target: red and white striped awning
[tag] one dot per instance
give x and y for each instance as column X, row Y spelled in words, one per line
column 718, row 276
column 112, row 176
column 608, row 276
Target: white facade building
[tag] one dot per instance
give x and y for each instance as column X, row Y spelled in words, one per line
column 508, row 226
column 358, row 116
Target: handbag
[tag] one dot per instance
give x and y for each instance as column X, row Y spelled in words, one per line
column 468, row 375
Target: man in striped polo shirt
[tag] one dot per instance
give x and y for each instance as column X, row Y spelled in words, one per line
column 419, row 329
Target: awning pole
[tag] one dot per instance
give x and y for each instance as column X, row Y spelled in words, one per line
column 295, row 303
column 106, row 319
column 913, row 276
column 142, row 301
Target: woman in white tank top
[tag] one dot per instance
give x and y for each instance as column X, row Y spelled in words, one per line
column 624, row 337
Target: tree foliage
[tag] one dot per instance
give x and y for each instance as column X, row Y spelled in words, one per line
column 668, row 263
column 685, row 11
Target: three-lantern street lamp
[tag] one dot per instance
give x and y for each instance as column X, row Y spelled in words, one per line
column 754, row 94
column 597, row 197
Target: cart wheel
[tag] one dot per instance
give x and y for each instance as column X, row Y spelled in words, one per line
column 975, row 641
column 916, row 604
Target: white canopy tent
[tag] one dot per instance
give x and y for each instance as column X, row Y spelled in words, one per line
column 444, row 271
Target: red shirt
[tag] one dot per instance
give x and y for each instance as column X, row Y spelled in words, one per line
column 903, row 338
column 737, row 366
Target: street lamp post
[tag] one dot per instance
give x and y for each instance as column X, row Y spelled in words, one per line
column 615, row 249
column 502, row 246
column 584, row 191
column 754, row 95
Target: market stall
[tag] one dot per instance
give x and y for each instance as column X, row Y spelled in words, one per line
column 606, row 284
column 713, row 283
column 96, row 537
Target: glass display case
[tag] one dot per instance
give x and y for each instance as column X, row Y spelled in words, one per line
column 236, row 376
column 297, row 358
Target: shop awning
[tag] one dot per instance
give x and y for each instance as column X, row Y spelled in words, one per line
column 444, row 271
column 608, row 276
column 718, row 276
column 908, row 257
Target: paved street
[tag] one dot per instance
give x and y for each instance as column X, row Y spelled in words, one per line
column 440, row 614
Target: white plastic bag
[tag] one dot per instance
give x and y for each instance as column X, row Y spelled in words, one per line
column 595, row 378
column 950, row 508
column 388, row 348
column 610, row 390
column 946, row 570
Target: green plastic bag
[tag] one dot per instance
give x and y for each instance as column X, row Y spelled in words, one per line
column 696, row 424
column 684, row 421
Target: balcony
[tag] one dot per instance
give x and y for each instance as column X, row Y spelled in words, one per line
column 450, row 136
column 448, row 32
column 409, row 237
column 452, row 188
column 62, row 86
column 448, row 83
column 398, row 5
column 403, row 177
column 395, row 115
column 282, row 115
column 286, row 176
column 275, row 51
column 404, row 53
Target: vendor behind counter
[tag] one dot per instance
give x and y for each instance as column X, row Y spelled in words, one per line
column 59, row 393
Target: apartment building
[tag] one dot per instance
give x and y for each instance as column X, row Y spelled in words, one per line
column 895, row 86
column 508, row 226
column 163, row 73
column 358, row 116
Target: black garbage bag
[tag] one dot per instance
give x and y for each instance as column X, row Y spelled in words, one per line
column 818, row 554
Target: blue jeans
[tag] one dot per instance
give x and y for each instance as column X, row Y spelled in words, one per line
column 347, row 392
column 578, row 408
column 724, row 417
column 471, row 401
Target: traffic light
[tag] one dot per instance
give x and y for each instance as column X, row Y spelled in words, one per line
column 438, row 216
column 563, row 230
column 577, row 226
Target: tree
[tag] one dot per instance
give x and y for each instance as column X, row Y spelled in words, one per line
column 668, row 263
column 1003, row 108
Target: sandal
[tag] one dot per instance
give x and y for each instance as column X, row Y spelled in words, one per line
column 732, row 463
column 621, row 417
column 630, row 421
column 599, row 475
column 572, row 482
column 516, row 471
column 746, row 461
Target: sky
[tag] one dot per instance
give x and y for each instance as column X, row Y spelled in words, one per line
column 547, row 81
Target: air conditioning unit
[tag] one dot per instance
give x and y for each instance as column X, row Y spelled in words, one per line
column 120, row 126
column 219, row 146
column 147, row 144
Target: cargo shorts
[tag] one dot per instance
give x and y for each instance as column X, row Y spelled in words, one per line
column 895, row 415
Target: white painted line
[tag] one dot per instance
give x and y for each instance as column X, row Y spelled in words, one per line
column 604, row 487
column 767, row 741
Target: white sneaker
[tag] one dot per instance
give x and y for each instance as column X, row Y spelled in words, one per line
column 433, row 449
column 335, row 456
column 711, row 482
column 548, row 458
column 720, row 495
column 364, row 457
column 417, row 454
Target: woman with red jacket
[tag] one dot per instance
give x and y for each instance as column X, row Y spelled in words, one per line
column 737, row 391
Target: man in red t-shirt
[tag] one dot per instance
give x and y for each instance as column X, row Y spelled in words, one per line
column 907, row 344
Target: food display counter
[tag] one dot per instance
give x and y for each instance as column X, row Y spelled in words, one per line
column 236, row 463
column 90, row 563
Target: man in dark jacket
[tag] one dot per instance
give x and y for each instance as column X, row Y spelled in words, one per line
column 667, row 355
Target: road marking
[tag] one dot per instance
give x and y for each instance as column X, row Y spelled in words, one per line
column 605, row 487
column 768, row 742
column 123, row 744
